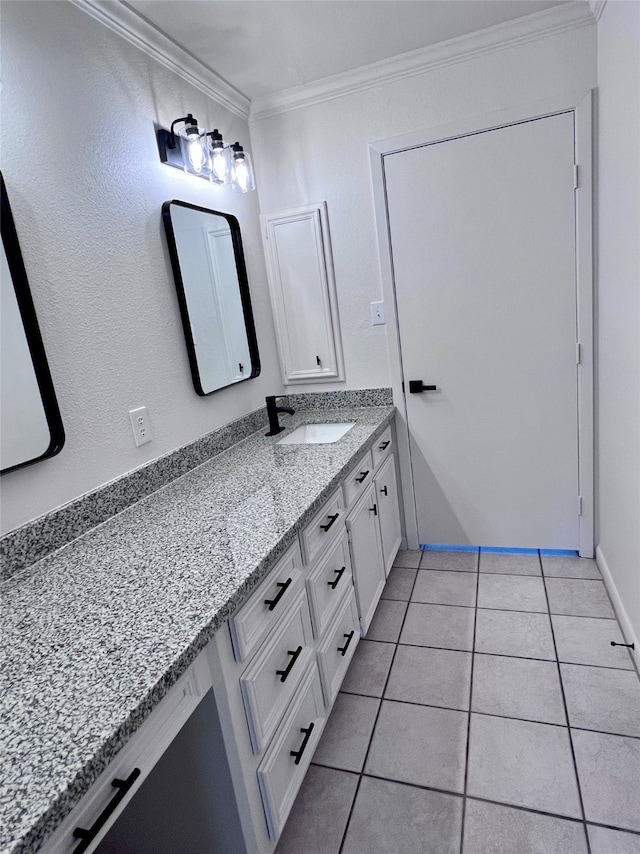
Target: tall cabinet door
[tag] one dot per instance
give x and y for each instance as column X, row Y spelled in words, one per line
column 388, row 512
column 303, row 293
column 366, row 556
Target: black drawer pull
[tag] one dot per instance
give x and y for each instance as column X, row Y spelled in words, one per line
column 363, row 475
column 383, row 490
column 331, row 519
column 333, row 584
column 307, row 735
column 294, row 657
column 374, row 509
column 343, row 649
column 384, row 445
column 87, row 836
column 283, row 586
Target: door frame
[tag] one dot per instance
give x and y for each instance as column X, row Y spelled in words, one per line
column 580, row 104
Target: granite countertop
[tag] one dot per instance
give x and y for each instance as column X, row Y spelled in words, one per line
column 94, row 634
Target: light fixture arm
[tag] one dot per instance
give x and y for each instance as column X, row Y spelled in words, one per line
column 189, row 122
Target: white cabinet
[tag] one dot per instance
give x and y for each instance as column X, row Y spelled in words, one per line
column 366, row 555
column 268, row 679
column 91, row 820
column 303, row 294
column 388, row 511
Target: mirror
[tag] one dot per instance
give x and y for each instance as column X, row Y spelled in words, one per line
column 30, row 424
column 213, row 293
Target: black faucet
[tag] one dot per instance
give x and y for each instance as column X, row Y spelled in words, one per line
column 272, row 412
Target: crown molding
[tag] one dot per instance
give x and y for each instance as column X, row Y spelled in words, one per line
column 597, row 8
column 123, row 20
column 529, row 28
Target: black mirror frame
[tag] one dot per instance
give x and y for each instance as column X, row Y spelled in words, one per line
column 243, row 283
column 32, row 332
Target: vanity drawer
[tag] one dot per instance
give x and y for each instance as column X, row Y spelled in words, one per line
column 327, row 583
column 336, row 650
column 278, row 775
column 266, row 605
column 382, row 447
column 358, row 479
column 323, row 527
column 270, row 680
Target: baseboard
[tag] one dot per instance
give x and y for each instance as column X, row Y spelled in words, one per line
column 623, row 617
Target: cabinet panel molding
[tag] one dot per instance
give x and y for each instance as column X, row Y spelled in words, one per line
column 303, row 293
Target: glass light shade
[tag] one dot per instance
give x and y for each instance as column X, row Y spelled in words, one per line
column 242, row 178
column 219, row 165
column 195, row 151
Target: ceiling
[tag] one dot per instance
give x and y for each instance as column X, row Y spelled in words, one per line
column 262, row 47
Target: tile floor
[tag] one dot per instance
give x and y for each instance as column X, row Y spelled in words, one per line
column 486, row 712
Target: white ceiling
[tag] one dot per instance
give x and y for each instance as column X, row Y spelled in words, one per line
column 262, row 47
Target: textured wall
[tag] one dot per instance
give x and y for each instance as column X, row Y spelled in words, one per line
column 320, row 152
column 618, row 276
column 80, row 161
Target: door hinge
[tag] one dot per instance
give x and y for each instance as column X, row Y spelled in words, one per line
column 579, row 505
column 578, row 354
column 576, row 179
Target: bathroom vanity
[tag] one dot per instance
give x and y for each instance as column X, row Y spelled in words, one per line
column 219, row 616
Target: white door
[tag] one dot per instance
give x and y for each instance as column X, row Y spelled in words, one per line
column 482, row 233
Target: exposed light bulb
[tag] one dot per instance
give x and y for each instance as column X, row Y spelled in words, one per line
column 196, row 153
column 241, row 171
column 219, row 166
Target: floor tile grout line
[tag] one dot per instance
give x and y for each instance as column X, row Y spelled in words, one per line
column 375, row 723
column 566, row 711
column 468, row 745
column 488, row 714
column 502, row 655
column 507, row 804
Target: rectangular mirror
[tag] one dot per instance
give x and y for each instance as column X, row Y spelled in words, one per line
column 30, row 424
column 213, row 293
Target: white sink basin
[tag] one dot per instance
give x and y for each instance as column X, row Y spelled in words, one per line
column 316, row 434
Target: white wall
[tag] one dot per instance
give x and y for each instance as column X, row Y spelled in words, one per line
column 618, row 298
column 80, row 162
column 319, row 152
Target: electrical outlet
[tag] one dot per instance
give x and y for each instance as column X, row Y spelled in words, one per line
column 140, row 425
column 377, row 313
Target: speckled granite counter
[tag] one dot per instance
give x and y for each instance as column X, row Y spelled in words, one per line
column 95, row 634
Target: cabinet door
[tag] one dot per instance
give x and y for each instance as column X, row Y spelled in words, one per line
column 366, row 555
column 388, row 511
column 303, row 293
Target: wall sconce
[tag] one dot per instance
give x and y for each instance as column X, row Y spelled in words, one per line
column 205, row 154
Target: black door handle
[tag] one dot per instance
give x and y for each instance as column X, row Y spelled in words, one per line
column 333, row 584
column 306, row 731
column 343, row 649
column 294, row 653
column 283, row 586
column 88, row 835
column 416, row 386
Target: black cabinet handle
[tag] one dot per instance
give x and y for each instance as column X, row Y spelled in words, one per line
column 417, row 386
column 374, row 509
column 384, row 445
column 283, row 586
column 333, row 584
column 331, row 519
column 383, row 490
column 87, row 836
column 362, row 477
column 294, row 657
column 343, row 649
column 306, row 731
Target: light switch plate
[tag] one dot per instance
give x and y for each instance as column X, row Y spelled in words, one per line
column 377, row 313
